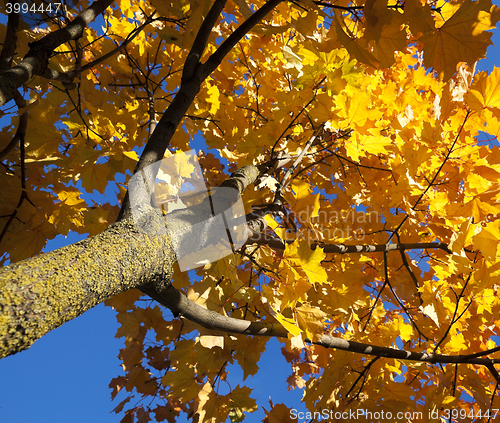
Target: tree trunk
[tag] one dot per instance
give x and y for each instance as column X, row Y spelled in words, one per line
column 42, row 293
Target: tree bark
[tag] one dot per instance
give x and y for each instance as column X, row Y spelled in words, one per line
column 42, row 293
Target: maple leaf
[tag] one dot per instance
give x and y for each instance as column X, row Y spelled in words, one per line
column 182, row 383
column 302, row 202
column 117, row 383
column 241, row 401
column 279, row 413
column 248, row 358
column 310, row 319
column 488, row 240
column 484, row 91
column 465, row 30
column 355, row 47
column 132, row 326
column 212, row 407
column 419, row 17
column 169, row 413
column 302, row 257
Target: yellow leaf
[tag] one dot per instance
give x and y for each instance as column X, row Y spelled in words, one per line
column 462, row 238
column 96, row 177
column 279, row 413
column 353, row 46
column 487, row 241
column 305, row 205
column 211, row 407
column 210, row 341
column 356, row 109
column 240, row 399
column 457, row 343
column 182, row 382
column 462, row 38
column 213, row 99
column 71, row 198
column 287, row 323
column 249, row 356
column 131, row 155
column 301, row 256
column 449, row 400
column 30, row 242
column 419, row 17
column 310, row 320
column 485, row 90
column 405, row 330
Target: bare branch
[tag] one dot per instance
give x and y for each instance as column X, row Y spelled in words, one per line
column 352, row 249
column 37, row 59
column 344, row 249
column 10, row 41
column 362, row 376
column 180, row 305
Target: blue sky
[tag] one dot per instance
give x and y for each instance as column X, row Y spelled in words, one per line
column 65, row 375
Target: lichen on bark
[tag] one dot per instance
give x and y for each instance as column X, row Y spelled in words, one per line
column 41, row 293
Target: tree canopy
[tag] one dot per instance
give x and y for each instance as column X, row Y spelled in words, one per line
column 350, row 128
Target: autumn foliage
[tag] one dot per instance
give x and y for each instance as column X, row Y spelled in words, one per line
column 368, row 115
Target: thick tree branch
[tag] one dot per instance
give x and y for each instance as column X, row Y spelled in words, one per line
column 10, row 41
column 192, row 77
column 200, row 42
column 182, row 306
column 216, row 58
column 37, row 59
column 187, row 237
column 41, row 293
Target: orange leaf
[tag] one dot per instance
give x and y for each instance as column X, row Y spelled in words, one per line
column 462, row 38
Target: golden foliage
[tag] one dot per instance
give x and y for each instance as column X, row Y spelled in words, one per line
column 401, row 80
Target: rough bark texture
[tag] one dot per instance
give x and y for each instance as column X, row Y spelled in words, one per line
column 41, row 293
